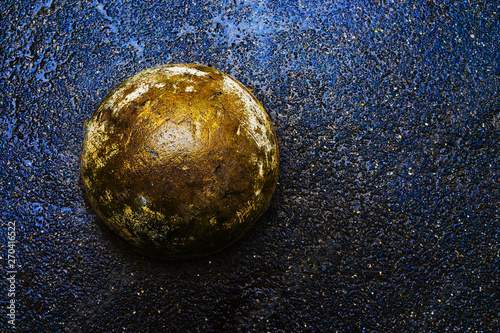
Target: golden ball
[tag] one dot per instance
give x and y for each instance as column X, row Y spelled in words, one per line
column 180, row 161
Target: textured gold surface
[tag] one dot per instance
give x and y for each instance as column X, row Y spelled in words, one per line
column 180, row 160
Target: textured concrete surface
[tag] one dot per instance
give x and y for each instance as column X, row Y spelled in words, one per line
column 386, row 215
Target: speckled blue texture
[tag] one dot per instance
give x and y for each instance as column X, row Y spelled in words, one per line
column 386, row 215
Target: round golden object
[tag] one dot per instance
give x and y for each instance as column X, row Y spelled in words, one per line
column 180, row 160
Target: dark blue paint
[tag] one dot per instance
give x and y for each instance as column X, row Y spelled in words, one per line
column 359, row 92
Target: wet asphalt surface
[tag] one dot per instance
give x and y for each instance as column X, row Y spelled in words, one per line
column 386, row 215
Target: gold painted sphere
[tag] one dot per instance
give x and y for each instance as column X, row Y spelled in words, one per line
column 180, row 161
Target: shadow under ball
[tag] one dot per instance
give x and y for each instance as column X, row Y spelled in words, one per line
column 180, row 161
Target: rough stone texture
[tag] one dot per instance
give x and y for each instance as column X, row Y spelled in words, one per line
column 386, row 214
column 180, row 160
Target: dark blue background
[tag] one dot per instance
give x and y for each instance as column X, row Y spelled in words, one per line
column 386, row 215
